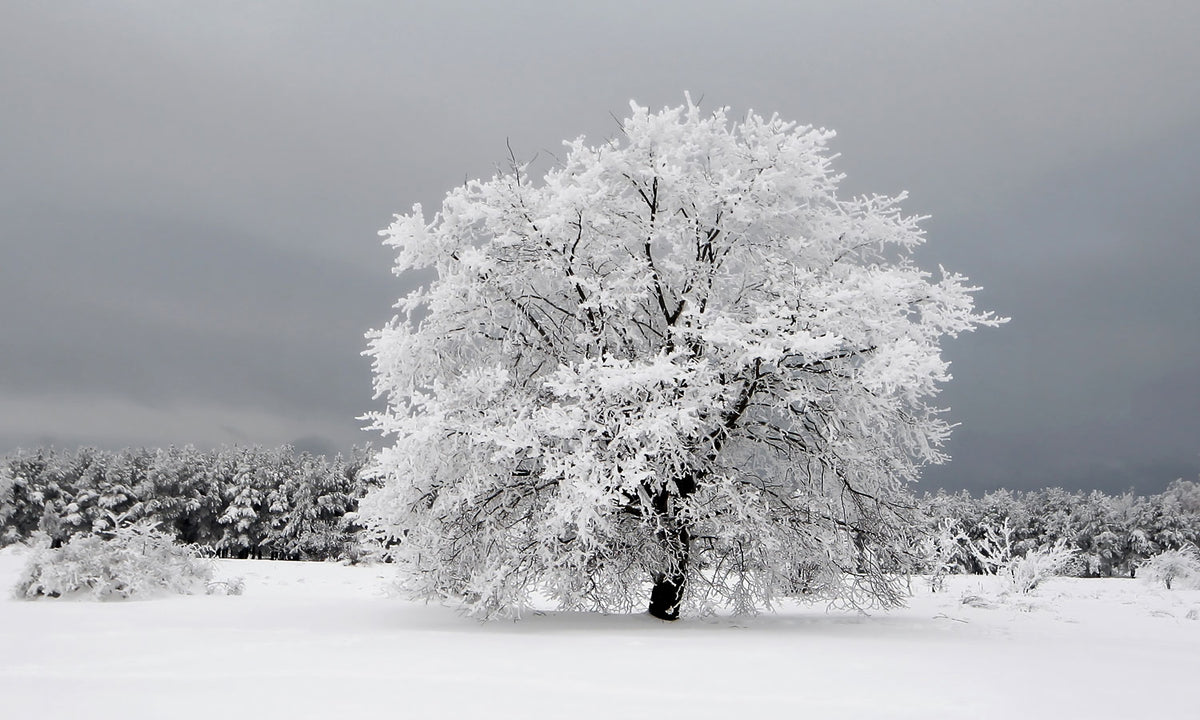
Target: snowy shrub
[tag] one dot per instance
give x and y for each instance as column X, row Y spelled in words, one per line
column 941, row 551
column 1171, row 565
column 992, row 551
column 1024, row 574
column 229, row 586
column 976, row 600
column 1080, row 566
column 132, row 561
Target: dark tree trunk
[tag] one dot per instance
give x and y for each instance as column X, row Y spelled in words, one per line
column 667, row 594
column 676, row 537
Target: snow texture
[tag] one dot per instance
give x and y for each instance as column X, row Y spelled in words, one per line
column 319, row 640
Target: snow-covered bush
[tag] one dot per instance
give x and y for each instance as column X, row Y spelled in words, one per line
column 1024, row 573
column 1170, row 566
column 226, row 586
column 990, row 547
column 131, row 561
column 941, row 550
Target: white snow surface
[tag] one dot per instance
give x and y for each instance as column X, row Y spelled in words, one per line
column 324, row 640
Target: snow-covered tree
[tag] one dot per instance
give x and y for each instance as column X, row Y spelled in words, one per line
column 249, row 482
column 8, row 504
column 180, row 492
column 81, row 478
column 25, row 502
column 321, row 494
column 680, row 362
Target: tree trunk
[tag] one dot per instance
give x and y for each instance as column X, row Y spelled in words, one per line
column 667, row 594
column 676, row 537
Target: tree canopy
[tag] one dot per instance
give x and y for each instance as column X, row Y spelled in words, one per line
column 678, row 368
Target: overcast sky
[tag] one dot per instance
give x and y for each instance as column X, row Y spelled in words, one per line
column 190, row 195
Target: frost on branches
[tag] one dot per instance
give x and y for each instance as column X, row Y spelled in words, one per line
column 678, row 369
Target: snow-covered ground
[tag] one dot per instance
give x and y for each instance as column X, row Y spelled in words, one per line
column 323, row 640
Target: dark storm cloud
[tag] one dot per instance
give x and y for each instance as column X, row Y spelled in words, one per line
column 1096, row 380
column 189, row 195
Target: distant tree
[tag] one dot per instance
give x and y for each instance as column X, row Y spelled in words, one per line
column 245, row 519
column 8, row 504
column 1102, row 535
column 1051, row 516
column 181, row 492
column 37, row 494
column 680, row 363
column 124, row 476
column 1164, row 524
column 22, row 513
column 75, row 474
column 1181, row 502
column 1187, row 494
column 320, row 495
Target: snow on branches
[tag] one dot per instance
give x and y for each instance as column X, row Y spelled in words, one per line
column 679, row 367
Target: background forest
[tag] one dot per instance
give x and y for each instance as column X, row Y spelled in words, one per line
column 280, row 503
column 238, row 502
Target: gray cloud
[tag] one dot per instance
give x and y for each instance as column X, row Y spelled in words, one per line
column 1096, row 379
column 189, row 196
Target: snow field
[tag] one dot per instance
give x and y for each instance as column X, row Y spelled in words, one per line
column 324, row 640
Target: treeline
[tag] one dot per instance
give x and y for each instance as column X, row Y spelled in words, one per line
column 254, row 502
column 1112, row 534
column 242, row 502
